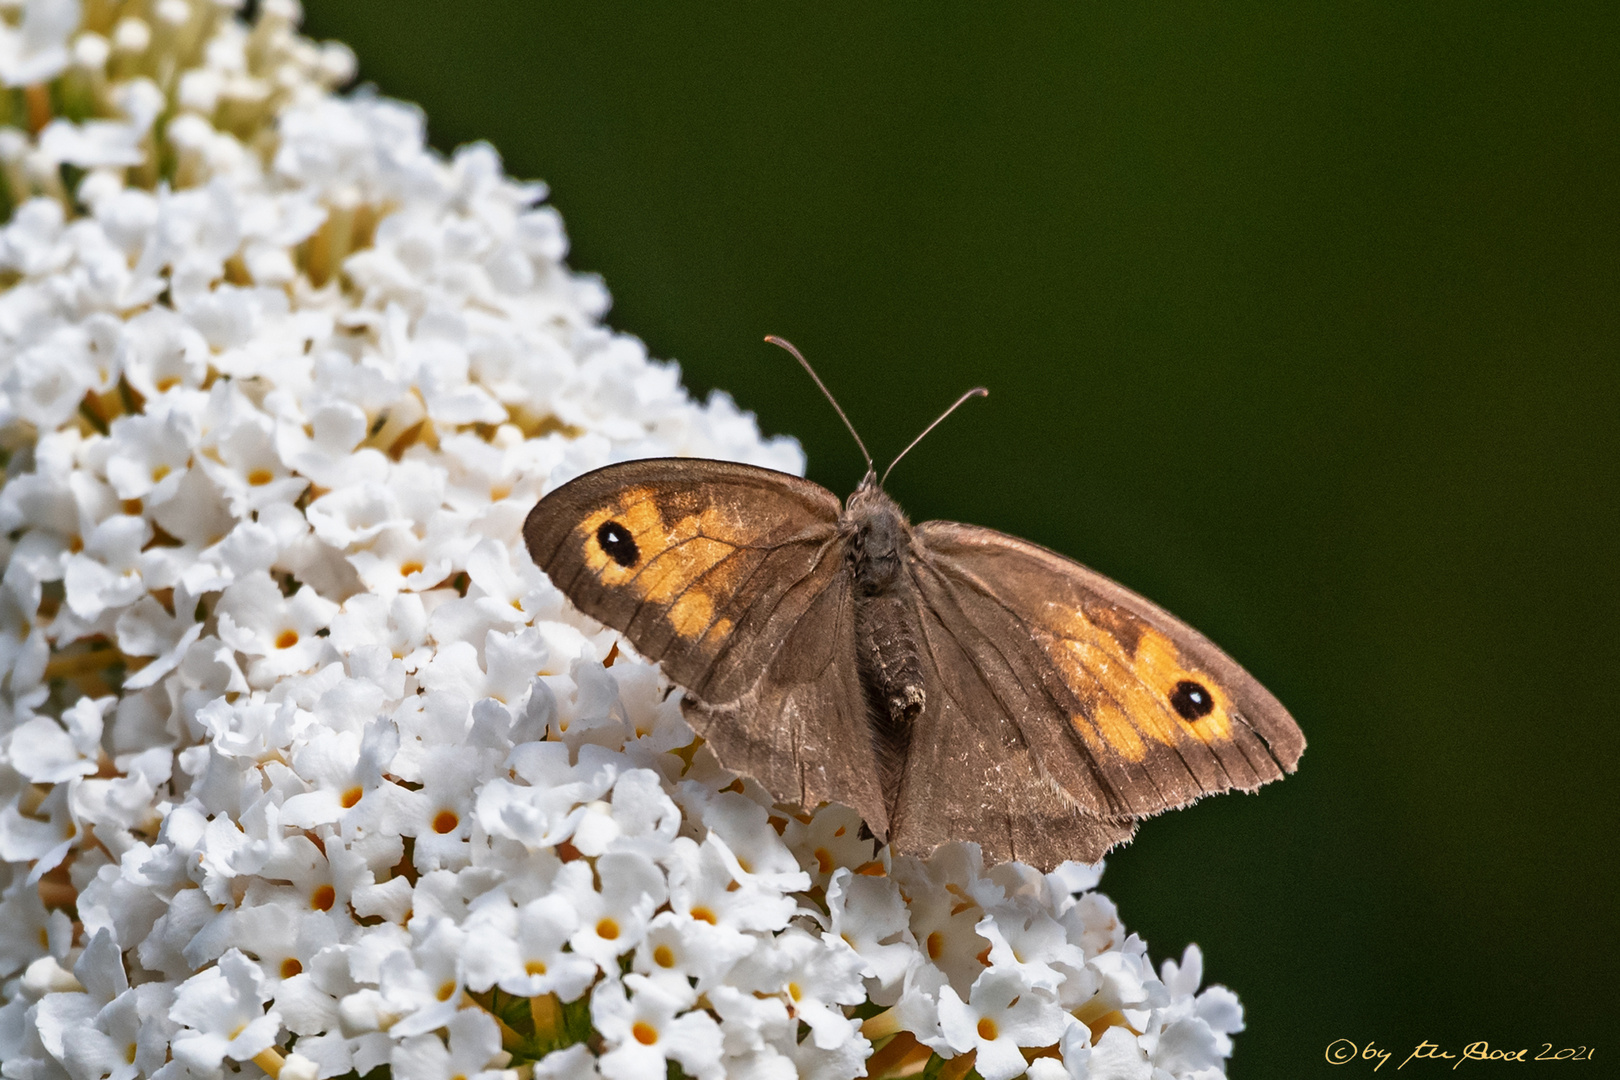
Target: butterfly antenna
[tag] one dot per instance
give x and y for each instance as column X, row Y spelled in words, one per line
column 799, row 356
column 977, row 391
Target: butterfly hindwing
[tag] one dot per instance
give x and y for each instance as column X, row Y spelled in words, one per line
column 975, row 767
column 732, row 577
column 1161, row 713
column 789, row 709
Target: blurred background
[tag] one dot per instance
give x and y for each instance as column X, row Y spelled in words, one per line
column 1306, row 324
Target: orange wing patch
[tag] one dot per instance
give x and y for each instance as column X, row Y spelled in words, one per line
column 635, row 509
column 1130, row 690
column 716, row 634
column 669, row 560
column 1159, row 666
column 671, row 570
column 691, row 614
column 1116, row 728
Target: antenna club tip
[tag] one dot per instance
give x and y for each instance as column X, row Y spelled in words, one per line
column 977, row 391
column 784, row 343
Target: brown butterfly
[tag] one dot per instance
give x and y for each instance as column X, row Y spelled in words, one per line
column 948, row 682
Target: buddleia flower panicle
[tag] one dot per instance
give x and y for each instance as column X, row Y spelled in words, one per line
column 305, row 769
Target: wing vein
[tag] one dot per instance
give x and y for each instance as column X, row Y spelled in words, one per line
column 1175, row 743
column 725, row 649
column 1100, row 781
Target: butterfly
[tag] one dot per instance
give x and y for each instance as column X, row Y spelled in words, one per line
column 948, row 682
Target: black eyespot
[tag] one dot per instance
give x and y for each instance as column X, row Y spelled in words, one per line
column 616, row 540
column 1191, row 700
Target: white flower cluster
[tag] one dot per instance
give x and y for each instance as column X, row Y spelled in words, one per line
column 304, row 766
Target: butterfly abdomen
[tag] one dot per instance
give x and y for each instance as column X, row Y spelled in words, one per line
column 890, row 666
column 888, row 637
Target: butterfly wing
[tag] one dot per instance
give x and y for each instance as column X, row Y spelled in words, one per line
column 1048, row 668
column 972, row 771
column 733, row 578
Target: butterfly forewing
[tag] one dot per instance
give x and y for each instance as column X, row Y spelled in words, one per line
column 1161, row 713
column 669, row 550
column 733, row 578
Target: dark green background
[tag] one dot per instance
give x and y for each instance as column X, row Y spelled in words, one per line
column 1303, row 324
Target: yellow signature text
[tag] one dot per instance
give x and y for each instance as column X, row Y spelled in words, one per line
column 1348, row 1051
